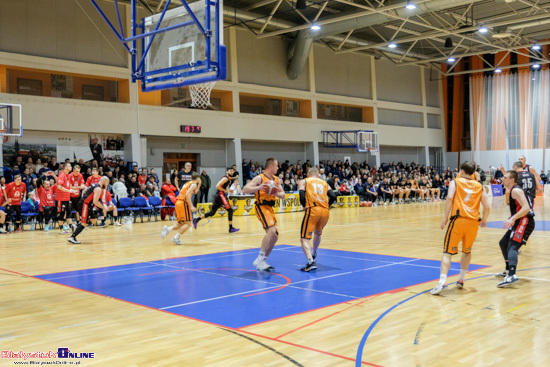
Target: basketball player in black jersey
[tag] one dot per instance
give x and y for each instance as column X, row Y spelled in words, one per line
column 520, row 225
column 529, row 168
column 89, row 206
column 220, row 199
column 526, row 180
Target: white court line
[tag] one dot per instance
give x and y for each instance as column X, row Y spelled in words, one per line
column 13, row 337
column 97, row 272
column 84, row 323
column 292, row 285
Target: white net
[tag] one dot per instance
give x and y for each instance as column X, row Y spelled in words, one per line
column 200, row 94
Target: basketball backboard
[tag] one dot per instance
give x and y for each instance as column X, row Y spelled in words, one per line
column 11, row 120
column 176, row 47
column 190, row 51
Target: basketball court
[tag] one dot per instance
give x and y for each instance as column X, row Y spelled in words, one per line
column 134, row 299
column 126, row 297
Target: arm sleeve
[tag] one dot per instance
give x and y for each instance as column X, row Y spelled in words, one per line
column 303, row 197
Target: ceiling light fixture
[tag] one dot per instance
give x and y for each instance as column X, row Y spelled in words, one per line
column 483, row 29
column 315, row 27
column 498, row 70
column 448, row 42
column 410, row 5
column 536, row 47
column 301, row 4
column 451, row 59
column 536, row 66
column 392, row 45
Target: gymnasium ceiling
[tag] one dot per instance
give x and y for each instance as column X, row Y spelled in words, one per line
column 421, row 35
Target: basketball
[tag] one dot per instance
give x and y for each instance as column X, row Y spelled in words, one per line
column 369, row 203
column 272, row 188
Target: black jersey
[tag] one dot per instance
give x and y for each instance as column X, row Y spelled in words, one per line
column 514, row 205
column 88, row 194
column 527, row 181
column 225, row 185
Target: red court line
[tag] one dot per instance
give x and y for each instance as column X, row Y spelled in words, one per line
column 326, row 317
column 308, row 348
column 191, row 318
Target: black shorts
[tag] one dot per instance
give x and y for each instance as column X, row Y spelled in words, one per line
column 64, row 210
column 521, row 230
column 87, row 211
column 74, row 202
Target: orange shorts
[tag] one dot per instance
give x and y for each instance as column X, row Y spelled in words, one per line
column 183, row 212
column 460, row 229
column 266, row 216
column 315, row 219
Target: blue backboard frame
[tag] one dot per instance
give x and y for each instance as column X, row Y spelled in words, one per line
column 210, row 69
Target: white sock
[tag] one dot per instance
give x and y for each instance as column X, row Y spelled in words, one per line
column 462, row 274
column 310, row 260
column 442, row 278
column 177, row 236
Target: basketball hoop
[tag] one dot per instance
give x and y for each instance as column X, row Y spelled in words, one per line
column 5, row 138
column 200, row 94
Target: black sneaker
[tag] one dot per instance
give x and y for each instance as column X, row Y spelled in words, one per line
column 73, row 240
column 309, row 267
column 195, row 222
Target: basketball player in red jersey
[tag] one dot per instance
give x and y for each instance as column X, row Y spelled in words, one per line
column 77, row 184
column 314, row 197
column 94, row 178
column 63, row 197
column 184, row 208
column 14, row 194
column 463, row 201
column 267, row 189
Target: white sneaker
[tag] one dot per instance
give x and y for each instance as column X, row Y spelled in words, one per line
column 117, row 223
column 177, row 241
column 438, row 288
column 73, row 240
column 385, row 203
column 503, row 274
column 2, row 230
column 164, row 232
column 261, row 264
column 508, row 281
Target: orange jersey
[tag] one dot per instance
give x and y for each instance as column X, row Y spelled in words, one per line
column 467, row 198
column 262, row 198
column 316, row 193
column 184, row 189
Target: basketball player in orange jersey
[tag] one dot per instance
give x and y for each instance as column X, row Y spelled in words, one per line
column 463, row 200
column 267, row 189
column 314, row 197
column 184, row 209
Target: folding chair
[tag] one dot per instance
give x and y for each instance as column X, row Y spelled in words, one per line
column 156, row 203
column 141, row 203
column 126, row 206
column 28, row 213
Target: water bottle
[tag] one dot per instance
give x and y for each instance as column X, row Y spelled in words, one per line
column 32, row 225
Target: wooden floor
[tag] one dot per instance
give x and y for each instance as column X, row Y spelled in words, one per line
column 480, row 325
